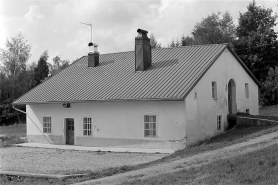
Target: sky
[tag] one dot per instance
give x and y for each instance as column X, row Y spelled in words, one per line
column 54, row 25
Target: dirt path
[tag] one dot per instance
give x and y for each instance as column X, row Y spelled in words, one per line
column 193, row 161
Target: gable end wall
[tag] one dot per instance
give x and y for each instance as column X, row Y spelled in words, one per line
column 201, row 113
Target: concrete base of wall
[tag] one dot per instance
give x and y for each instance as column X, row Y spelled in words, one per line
column 109, row 142
column 128, row 143
column 45, row 139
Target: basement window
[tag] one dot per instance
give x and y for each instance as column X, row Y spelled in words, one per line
column 214, row 90
column 87, row 126
column 219, row 122
column 150, row 125
column 246, row 90
column 46, row 124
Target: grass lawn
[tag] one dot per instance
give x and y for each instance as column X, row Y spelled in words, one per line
column 269, row 110
column 18, row 130
column 234, row 136
column 12, row 134
column 259, row 168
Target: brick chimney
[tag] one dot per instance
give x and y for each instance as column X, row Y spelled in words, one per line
column 143, row 53
column 93, row 55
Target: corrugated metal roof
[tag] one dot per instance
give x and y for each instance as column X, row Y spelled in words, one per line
column 174, row 72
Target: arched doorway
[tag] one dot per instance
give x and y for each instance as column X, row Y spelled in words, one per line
column 232, row 103
column 232, row 97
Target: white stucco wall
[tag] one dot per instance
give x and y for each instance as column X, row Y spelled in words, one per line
column 201, row 113
column 115, row 120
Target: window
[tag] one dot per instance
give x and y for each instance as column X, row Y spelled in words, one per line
column 87, row 126
column 46, row 124
column 219, row 122
column 247, row 111
column 150, row 125
column 214, row 90
column 246, row 90
column 195, row 95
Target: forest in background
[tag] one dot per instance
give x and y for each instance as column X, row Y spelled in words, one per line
column 253, row 39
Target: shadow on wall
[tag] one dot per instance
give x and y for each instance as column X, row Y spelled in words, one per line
column 44, row 135
column 106, row 63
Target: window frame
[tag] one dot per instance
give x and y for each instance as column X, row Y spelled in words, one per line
column 246, row 87
column 88, row 130
column 214, row 90
column 219, row 122
column 151, row 128
column 47, row 125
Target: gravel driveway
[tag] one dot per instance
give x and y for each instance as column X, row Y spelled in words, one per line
column 57, row 161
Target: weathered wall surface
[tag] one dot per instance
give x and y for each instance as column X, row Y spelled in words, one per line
column 201, row 113
column 113, row 123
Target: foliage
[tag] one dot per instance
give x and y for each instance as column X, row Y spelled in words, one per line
column 13, row 74
column 154, row 43
column 41, row 71
column 172, row 44
column 257, row 43
column 58, row 65
column 215, row 30
column 269, row 94
column 186, row 41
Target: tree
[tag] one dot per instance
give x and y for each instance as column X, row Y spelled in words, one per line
column 215, row 30
column 14, row 59
column 177, row 44
column 58, row 65
column 269, row 94
column 257, row 43
column 154, row 43
column 12, row 74
column 41, row 71
column 186, row 41
column 172, row 44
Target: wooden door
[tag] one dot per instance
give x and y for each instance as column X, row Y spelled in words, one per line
column 69, row 131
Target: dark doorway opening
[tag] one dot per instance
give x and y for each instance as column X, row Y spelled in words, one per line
column 69, row 131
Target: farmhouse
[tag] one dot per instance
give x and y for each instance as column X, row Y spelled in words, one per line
column 149, row 98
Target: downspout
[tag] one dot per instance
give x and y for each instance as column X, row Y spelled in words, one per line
column 19, row 110
column 50, row 142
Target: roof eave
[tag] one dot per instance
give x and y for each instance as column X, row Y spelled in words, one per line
column 105, row 100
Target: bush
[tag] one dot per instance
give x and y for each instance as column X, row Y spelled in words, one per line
column 269, row 92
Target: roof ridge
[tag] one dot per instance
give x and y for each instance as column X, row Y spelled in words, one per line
column 199, row 45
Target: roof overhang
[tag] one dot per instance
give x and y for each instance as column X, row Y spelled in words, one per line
column 95, row 101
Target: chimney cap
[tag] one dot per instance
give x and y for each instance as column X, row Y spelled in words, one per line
column 90, row 44
column 142, row 32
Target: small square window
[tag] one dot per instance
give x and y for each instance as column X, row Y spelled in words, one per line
column 195, row 95
column 247, row 111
